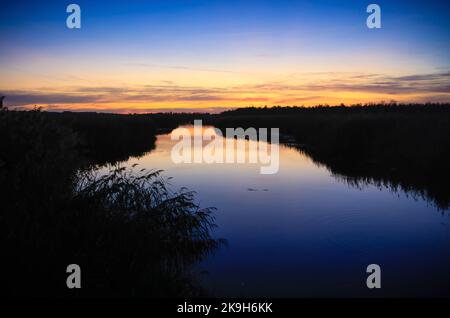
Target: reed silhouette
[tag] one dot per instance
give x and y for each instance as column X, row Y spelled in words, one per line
column 131, row 235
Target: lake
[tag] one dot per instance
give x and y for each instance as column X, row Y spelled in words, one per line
column 304, row 232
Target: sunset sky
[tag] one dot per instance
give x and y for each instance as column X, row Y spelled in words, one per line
column 140, row 56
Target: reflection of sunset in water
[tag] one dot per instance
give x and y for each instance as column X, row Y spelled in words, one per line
column 232, row 145
column 289, row 232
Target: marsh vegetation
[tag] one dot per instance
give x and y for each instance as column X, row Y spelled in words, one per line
column 132, row 235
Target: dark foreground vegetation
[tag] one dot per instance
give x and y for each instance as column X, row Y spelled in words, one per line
column 400, row 146
column 130, row 235
column 134, row 237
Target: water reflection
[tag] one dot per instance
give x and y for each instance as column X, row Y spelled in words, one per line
column 304, row 232
column 415, row 184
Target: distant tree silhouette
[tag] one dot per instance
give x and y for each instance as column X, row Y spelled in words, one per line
column 1, row 101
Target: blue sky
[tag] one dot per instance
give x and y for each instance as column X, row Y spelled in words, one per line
column 221, row 44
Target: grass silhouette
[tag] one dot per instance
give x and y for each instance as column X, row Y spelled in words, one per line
column 129, row 233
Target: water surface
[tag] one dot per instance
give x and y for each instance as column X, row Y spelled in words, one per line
column 304, row 232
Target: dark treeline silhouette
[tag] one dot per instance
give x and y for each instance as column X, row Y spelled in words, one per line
column 403, row 146
column 108, row 138
column 342, row 108
column 128, row 232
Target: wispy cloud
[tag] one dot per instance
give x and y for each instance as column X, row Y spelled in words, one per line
column 434, row 86
column 128, row 110
column 20, row 98
column 371, row 83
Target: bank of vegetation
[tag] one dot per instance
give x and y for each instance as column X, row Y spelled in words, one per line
column 129, row 232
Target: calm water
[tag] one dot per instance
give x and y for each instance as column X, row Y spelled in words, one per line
column 303, row 232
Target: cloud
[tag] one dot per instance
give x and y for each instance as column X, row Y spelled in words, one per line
column 279, row 92
column 298, row 99
column 146, row 93
column 371, row 83
column 130, row 110
column 20, row 98
column 102, row 90
column 424, row 77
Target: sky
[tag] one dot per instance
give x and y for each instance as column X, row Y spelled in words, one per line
column 146, row 56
